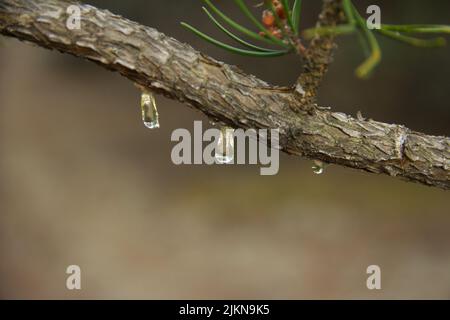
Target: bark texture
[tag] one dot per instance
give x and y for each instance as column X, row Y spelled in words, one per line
column 223, row 92
column 319, row 54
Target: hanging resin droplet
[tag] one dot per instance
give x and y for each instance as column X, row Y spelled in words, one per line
column 318, row 167
column 150, row 115
column 224, row 152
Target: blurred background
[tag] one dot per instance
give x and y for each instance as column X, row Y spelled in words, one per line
column 83, row 182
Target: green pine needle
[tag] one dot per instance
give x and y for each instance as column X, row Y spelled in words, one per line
column 236, row 25
column 347, row 6
column 231, row 48
column 366, row 68
column 328, row 31
column 418, row 28
column 351, row 19
column 424, row 43
column 287, row 8
column 233, row 36
column 296, row 10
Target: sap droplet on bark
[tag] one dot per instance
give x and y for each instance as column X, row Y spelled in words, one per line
column 318, row 167
column 224, row 152
column 150, row 115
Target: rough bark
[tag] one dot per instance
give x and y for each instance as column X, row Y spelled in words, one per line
column 223, row 92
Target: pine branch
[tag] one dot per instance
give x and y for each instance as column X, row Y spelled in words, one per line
column 164, row 65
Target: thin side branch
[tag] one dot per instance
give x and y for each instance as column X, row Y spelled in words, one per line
column 319, row 54
column 223, row 92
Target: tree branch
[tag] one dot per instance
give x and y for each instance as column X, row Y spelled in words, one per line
column 223, row 92
column 319, row 54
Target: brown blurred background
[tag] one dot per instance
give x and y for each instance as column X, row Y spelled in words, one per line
column 84, row 182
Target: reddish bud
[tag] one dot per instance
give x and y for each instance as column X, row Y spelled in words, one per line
column 280, row 11
column 268, row 18
column 276, row 2
column 276, row 33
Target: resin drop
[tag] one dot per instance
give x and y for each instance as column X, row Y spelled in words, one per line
column 224, row 152
column 150, row 115
column 318, row 167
